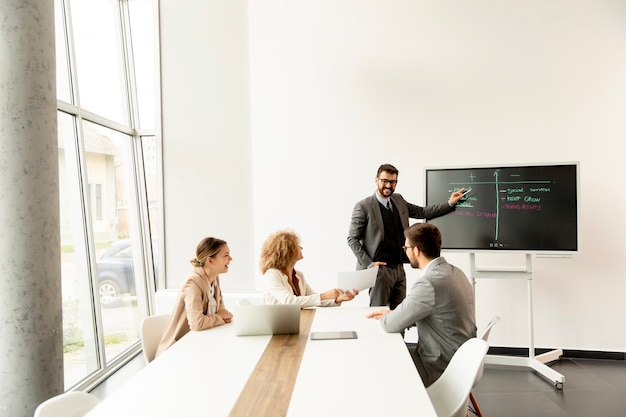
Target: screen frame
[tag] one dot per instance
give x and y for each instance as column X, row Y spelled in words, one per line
column 555, row 252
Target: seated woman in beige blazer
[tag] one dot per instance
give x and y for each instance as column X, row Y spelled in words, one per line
column 286, row 285
column 200, row 305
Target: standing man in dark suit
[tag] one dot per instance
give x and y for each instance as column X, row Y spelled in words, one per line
column 376, row 234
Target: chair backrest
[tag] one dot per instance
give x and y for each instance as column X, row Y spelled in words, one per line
column 152, row 328
column 485, row 337
column 493, row 322
column 450, row 393
column 69, row 404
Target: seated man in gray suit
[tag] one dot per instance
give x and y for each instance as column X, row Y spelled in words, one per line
column 440, row 303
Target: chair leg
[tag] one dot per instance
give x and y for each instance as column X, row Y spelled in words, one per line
column 475, row 405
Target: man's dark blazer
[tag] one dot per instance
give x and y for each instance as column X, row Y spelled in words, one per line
column 367, row 229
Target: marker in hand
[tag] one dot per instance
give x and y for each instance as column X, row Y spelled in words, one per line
column 467, row 191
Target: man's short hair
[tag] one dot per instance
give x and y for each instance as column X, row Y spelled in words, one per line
column 387, row 168
column 426, row 237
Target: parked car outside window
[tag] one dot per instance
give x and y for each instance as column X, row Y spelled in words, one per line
column 116, row 274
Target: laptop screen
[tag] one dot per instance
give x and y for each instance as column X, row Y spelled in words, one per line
column 251, row 320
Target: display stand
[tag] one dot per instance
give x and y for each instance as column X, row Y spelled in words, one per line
column 536, row 362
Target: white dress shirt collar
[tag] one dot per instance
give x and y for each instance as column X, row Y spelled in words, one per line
column 382, row 200
column 428, row 265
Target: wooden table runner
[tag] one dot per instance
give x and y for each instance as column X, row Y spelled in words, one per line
column 269, row 388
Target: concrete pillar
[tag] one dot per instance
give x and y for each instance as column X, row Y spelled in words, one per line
column 31, row 331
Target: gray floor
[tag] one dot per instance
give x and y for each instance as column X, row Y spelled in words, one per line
column 593, row 388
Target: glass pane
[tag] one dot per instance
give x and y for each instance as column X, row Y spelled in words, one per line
column 152, row 190
column 112, row 200
column 63, row 72
column 80, row 351
column 99, row 63
column 144, row 46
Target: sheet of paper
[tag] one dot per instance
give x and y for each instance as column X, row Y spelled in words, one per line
column 360, row 280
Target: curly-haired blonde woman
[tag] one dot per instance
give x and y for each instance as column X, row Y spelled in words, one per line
column 286, row 285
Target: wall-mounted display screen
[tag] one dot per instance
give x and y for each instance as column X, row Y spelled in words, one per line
column 509, row 208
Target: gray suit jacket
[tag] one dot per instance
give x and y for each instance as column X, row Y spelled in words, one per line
column 367, row 229
column 441, row 305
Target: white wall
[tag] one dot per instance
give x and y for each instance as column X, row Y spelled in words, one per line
column 206, row 134
column 339, row 87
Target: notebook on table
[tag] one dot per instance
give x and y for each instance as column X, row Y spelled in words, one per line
column 255, row 319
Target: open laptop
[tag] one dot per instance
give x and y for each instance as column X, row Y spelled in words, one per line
column 258, row 319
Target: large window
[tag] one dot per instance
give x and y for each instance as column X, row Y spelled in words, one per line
column 109, row 187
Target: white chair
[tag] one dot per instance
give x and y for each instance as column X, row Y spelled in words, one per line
column 152, row 328
column 69, row 404
column 485, row 336
column 450, row 393
column 493, row 322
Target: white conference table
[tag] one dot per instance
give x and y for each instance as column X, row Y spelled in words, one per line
column 204, row 373
column 372, row 375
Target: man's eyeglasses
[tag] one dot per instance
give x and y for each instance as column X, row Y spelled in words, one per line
column 405, row 247
column 388, row 182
